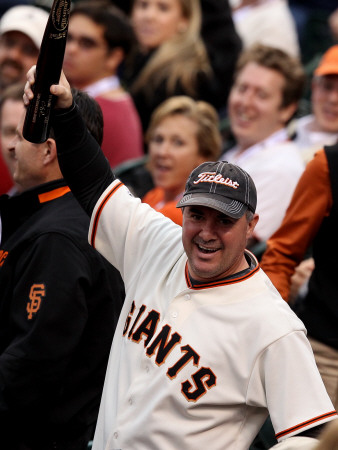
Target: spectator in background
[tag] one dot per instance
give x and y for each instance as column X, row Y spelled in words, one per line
column 21, row 31
column 267, row 22
column 190, row 47
column 311, row 220
column 99, row 38
column 11, row 109
column 59, row 304
column 320, row 128
column 268, row 85
column 288, row 259
column 182, row 134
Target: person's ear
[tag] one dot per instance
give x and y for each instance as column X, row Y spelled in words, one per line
column 114, row 59
column 49, row 151
column 251, row 226
column 286, row 112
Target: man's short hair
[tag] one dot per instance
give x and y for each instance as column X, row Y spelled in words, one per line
column 13, row 92
column 276, row 59
column 91, row 113
column 118, row 31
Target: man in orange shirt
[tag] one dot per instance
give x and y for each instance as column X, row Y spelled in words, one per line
column 311, row 220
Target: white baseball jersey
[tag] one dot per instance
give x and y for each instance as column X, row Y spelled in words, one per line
column 196, row 367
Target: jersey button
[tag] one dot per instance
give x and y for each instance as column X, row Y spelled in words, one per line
column 130, row 401
column 174, row 314
column 115, row 435
column 187, row 296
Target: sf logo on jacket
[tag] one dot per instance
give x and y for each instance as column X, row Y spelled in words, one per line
column 37, row 292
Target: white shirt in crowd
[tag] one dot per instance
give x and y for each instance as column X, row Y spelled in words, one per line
column 275, row 165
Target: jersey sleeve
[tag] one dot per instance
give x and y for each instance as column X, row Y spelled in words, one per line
column 132, row 235
column 48, row 314
column 311, row 202
column 285, row 379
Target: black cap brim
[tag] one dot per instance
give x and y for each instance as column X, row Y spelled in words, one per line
column 230, row 207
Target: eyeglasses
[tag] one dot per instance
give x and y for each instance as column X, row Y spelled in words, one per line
column 84, row 42
column 327, row 84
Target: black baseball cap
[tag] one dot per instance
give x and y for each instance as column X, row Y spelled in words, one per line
column 221, row 186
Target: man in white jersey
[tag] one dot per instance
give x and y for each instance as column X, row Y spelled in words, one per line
column 205, row 347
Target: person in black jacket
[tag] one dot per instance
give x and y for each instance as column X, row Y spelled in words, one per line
column 59, row 304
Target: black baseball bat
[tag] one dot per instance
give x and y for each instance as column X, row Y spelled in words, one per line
column 37, row 123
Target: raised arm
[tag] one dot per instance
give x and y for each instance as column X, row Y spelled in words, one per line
column 81, row 160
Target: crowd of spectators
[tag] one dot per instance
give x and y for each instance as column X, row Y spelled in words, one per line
column 179, row 83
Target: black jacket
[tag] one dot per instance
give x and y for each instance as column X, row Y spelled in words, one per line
column 59, row 305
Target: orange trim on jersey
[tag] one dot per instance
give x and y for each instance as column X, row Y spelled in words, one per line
column 304, row 424
column 99, row 211
column 52, row 195
column 220, row 282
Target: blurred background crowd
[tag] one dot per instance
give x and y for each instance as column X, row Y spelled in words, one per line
column 132, row 56
column 180, row 82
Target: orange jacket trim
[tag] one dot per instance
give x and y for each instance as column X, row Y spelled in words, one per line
column 52, row 195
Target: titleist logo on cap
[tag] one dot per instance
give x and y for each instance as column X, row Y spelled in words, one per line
column 214, row 177
column 222, row 186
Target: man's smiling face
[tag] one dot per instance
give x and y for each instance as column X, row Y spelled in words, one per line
column 255, row 104
column 214, row 242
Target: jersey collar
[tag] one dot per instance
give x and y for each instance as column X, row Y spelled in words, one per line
column 231, row 279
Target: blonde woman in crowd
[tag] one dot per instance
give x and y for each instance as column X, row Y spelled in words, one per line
column 176, row 55
column 182, row 134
